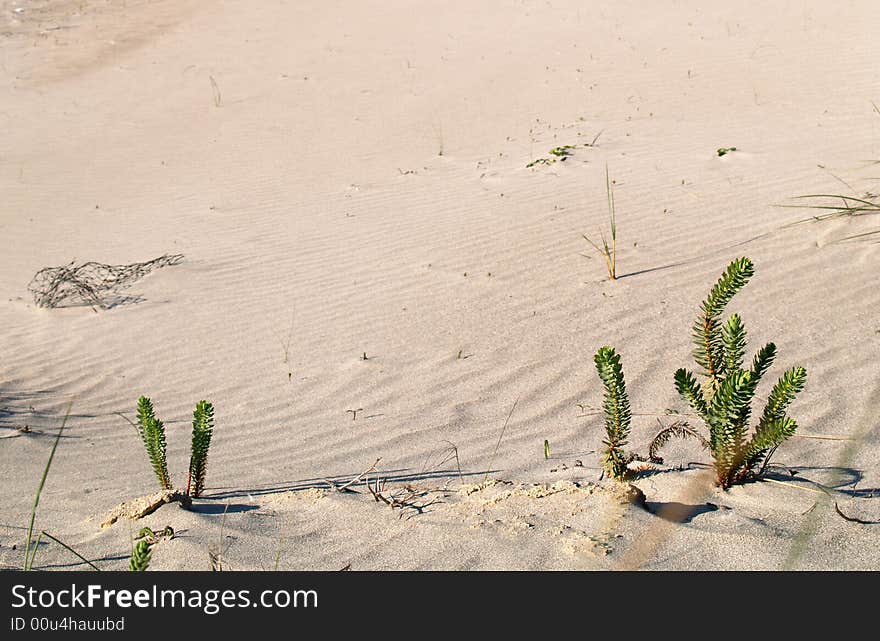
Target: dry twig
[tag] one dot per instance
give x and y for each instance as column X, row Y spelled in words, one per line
column 356, row 479
column 90, row 282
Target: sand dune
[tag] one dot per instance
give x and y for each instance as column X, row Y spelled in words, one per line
column 350, row 179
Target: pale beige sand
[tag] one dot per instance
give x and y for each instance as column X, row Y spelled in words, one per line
column 348, row 178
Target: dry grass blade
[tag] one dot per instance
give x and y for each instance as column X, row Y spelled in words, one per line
column 826, row 491
column 679, row 429
column 356, row 479
column 823, row 437
column 608, row 252
column 215, row 553
column 859, row 437
column 215, row 90
column 862, row 235
column 72, row 551
column 402, row 498
column 852, row 519
column 849, row 206
column 434, row 462
column 500, row 436
column 795, row 486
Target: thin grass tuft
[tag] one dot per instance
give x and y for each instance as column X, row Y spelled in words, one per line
column 71, row 550
column 30, row 549
column 848, row 206
column 608, row 252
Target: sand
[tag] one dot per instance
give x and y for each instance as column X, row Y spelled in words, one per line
column 372, row 272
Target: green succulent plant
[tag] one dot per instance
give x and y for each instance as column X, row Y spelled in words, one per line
column 152, row 433
column 142, row 550
column 140, row 556
column 203, row 428
column 723, row 400
column 617, row 413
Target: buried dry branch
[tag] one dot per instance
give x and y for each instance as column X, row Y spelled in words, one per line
column 90, row 283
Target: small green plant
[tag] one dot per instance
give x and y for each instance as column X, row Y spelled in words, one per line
column 140, row 556
column 723, row 401
column 540, row 161
column 609, row 253
column 617, row 413
column 546, row 449
column 722, row 151
column 142, row 550
column 203, row 428
column 562, row 152
column 152, row 433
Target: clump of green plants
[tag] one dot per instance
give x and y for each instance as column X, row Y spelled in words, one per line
column 617, row 413
column 723, row 151
column 152, row 433
column 723, row 400
column 561, row 153
column 608, row 252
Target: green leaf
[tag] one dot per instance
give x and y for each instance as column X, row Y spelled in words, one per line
column 689, row 389
column 729, row 404
column 733, row 337
column 765, row 439
column 763, row 360
column 706, row 331
column 140, row 556
column 782, row 394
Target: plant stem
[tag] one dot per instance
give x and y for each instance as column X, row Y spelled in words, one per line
column 28, row 555
column 71, row 550
column 613, row 257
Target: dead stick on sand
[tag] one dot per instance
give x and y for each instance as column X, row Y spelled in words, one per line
column 344, row 488
column 852, row 519
column 824, row 437
column 826, row 491
column 797, row 487
column 72, row 551
column 500, row 436
column 216, row 91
